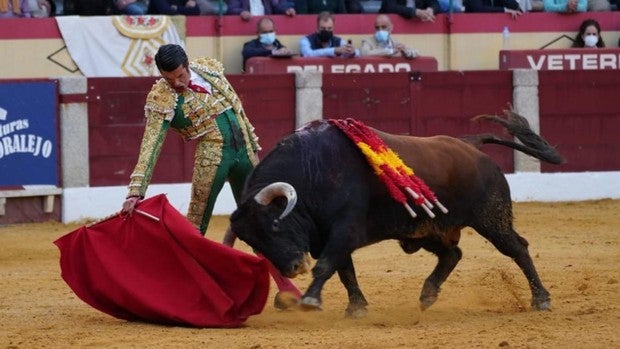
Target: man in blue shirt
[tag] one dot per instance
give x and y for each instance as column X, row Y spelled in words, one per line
column 323, row 43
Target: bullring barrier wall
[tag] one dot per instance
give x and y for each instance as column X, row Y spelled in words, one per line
column 101, row 122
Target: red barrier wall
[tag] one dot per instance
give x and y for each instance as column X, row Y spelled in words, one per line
column 445, row 103
column 116, row 124
column 579, row 114
column 269, row 101
column 423, row 104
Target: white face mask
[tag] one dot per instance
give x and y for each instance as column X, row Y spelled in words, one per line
column 382, row 36
column 267, row 38
column 591, row 40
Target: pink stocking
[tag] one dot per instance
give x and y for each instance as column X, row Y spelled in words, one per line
column 283, row 283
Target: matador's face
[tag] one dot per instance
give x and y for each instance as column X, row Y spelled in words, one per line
column 178, row 79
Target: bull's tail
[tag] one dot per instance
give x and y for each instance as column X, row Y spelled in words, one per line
column 518, row 127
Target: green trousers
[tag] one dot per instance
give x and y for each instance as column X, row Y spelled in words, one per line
column 234, row 166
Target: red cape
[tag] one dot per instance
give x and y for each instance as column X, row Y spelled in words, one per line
column 156, row 267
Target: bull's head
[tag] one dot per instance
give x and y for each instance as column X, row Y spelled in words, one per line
column 268, row 224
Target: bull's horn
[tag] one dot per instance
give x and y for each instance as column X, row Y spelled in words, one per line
column 273, row 190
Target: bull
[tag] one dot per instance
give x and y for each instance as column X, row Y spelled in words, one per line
column 315, row 193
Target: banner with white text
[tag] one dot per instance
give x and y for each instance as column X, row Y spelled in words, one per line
column 28, row 133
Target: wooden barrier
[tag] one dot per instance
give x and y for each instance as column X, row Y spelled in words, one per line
column 275, row 65
column 46, row 192
column 576, row 110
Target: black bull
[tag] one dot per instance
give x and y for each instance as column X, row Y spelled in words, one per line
column 316, row 193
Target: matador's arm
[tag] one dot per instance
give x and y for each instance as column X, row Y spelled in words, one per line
column 159, row 109
column 152, row 142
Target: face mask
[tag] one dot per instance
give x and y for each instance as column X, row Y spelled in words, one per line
column 591, row 40
column 325, row 35
column 267, row 38
column 382, row 35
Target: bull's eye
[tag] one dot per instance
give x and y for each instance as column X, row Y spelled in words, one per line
column 275, row 226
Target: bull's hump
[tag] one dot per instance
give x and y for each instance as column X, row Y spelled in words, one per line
column 313, row 126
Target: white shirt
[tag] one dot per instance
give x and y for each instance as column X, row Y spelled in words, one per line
column 200, row 81
column 257, row 8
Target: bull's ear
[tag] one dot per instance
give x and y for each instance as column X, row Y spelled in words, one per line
column 275, row 226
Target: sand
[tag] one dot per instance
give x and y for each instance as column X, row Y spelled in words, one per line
column 483, row 304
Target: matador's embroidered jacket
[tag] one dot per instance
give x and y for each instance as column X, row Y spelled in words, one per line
column 192, row 115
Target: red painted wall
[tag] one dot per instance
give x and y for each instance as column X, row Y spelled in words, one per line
column 197, row 26
column 269, row 102
column 116, row 124
column 423, row 104
column 579, row 114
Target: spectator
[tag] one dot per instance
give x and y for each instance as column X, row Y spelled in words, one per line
column 353, row 6
column 14, row 9
column 566, row 6
column 424, row 10
column 212, row 7
column 248, row 8
column 324, row 43
column 457, row 6
column 589, row 35
column 530, row 5
column 266, row 44
column 89, row 7
column 318, row 6
column 174, row 7
column 598, row 5
column 42, row 8
column 131, row 7
column 381, row 44
column 508, row 6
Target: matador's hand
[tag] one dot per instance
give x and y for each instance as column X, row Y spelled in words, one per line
column 129, row 204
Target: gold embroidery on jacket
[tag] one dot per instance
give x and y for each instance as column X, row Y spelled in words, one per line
column 200, row 109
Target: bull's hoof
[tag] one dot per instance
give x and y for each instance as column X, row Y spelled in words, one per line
column 285, row 300
column 429, row 295
column 355, row 312
column 541, row 304
column 427, row 301
column 310, row 303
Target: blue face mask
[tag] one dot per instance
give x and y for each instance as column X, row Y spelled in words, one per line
column 267, row 38
column 382, row 36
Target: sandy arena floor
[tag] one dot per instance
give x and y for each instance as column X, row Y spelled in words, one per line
column 484, row 303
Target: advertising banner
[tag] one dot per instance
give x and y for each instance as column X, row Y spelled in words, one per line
column 28, row 133
column 272, row 65
column 561, row 59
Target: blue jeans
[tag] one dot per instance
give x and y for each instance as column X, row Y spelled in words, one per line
column 135, row 9
column 444, row 6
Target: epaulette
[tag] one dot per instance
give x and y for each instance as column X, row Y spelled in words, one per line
column 207, row 65
column 162, row 100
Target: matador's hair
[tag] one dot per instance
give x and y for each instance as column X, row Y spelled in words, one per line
column 170, row 56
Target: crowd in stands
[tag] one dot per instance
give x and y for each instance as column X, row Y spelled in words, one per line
column 323, row 42
column 425, row 10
